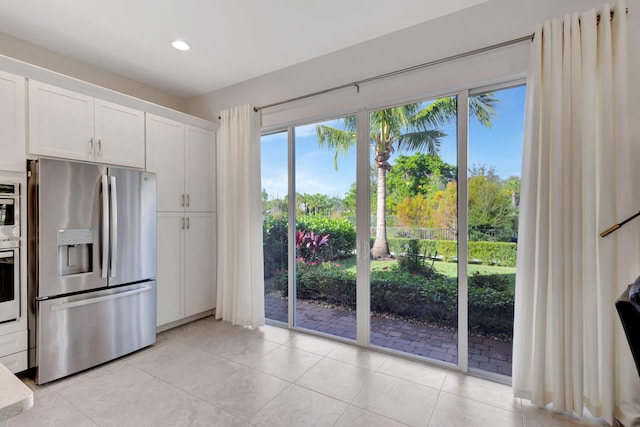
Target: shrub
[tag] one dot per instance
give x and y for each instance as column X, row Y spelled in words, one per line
column 413, row 261
column 342, row 240
column 405, row 294
column 491, row 253
column 341, row 230
column 432, row 299
column 326, row 282
column 495, row 253
column 490, row 312
column 491, row 281
column 274, row 245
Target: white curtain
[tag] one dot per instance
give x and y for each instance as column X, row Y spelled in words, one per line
column 239, row 212
column 579, row 177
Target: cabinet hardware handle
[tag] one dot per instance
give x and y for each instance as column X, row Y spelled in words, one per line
column 187, row 223
column 182, row 201
column 91, row 146
column 182, row 220
column 99, row 148
column 187, row 200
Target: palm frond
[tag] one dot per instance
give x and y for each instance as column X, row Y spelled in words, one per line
column 429, row 139
column 483, row 108
column 350, row 123
column 440, row 112
column 337, row 139
column 389, row 124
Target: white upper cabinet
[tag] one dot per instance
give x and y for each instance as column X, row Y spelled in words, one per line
column 182, row 156
column 119, row 134
column 60, row 122
column 199, row 162
column 165, row 156
column 12, row 122
column 74, row 126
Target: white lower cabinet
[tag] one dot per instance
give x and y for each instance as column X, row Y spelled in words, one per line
column 170, row 259
column 16, row 362
column 200, row 259
column 186, row 265
column 13, row 351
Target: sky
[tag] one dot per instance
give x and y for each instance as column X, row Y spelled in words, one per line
column 499, row 147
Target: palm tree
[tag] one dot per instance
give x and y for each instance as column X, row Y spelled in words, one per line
column 409, row 127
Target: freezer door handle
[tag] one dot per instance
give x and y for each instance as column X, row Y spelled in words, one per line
column 65, row 306
column 105, row 226
column 114, row 226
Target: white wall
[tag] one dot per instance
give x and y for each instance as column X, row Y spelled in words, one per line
column 486, row 24
column 23, row 51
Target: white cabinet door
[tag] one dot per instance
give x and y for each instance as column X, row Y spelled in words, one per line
column 60, row 122
column 165, row 156
column 12, row 122
column 199, row 169
column 200, row 259
column 170, row 261
column 119, row 135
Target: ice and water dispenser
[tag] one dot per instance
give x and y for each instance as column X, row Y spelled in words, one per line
column 75, row 251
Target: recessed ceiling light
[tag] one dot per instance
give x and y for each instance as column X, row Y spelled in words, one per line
column 180, row 45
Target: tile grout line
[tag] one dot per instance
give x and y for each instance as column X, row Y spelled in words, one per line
column 196, row 397
column 434, row 409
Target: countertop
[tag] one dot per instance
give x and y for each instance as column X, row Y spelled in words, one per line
column 15, row 397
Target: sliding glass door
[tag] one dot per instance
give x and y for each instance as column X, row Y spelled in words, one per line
column 434, row 187
column 275, row 224
column 495, row 159
column 413, row 274
column 325, row 235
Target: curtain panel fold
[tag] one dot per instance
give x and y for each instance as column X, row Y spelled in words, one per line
column 578, row 179
column 240, row 275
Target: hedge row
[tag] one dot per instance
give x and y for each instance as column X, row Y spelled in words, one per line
column 433, row 300
column 342, row 240
column 490, row 253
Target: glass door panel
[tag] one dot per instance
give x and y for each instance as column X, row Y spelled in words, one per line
column 413, row 277
column 275, row 222
column 495, row 156
column 325, row 239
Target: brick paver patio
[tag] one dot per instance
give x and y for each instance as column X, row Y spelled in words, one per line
column 422, row 340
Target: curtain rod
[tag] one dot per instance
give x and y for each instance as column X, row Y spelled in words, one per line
column 357, row 83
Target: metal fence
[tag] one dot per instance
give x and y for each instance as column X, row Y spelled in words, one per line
column 479, row 235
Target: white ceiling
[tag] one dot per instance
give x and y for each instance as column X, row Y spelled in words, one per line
column 231, row 40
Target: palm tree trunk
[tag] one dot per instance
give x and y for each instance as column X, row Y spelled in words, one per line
column 381, row 246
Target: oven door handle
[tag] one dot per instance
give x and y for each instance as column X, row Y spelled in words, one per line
column 7, row 254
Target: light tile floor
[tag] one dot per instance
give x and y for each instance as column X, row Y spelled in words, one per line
column 209, row 373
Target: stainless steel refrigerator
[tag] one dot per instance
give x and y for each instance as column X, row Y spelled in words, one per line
column 92, row 265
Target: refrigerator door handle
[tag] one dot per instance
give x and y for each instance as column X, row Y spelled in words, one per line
column 114, row 226
column 105, row 226
column 94, row 300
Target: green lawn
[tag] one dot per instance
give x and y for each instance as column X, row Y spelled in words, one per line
column 449, row 269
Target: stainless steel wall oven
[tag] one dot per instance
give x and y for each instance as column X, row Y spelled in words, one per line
column 9, row 281
column 9, row 210
column 9, row 251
